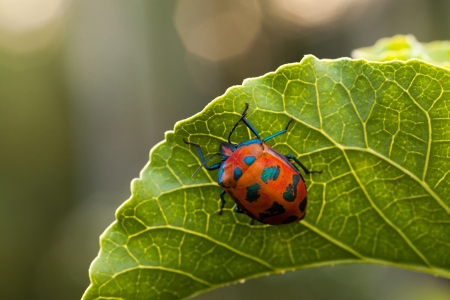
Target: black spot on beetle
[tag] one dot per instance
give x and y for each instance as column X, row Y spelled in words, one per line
column 291, row 190
column 252, row 192
column 275, row 210
column 290, row 219
column 302, row 205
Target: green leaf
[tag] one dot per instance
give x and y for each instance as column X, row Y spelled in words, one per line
column 379, row 131
column 404, row 47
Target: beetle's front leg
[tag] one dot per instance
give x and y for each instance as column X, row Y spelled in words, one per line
column 202, row 157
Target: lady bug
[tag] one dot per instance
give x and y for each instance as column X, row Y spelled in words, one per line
column 263, row 183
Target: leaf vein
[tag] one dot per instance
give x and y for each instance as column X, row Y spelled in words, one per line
column 386, row 219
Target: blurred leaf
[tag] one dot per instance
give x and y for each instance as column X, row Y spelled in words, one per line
column 404, row 47
column 379, row 131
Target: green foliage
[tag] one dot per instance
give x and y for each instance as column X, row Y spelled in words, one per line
column 404, row 47
column 379, row 131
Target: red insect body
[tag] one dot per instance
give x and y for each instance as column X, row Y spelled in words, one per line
column 270, row 190
column 263, row 183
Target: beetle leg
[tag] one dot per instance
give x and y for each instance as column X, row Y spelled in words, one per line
column 238, row 210
column 279, row 132
column 246, row 122
column 222, row 199
column 291, row 157
column 250, row 126
column 202, row 157
column 204, row 164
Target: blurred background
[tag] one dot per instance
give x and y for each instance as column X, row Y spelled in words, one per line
column 88, row 87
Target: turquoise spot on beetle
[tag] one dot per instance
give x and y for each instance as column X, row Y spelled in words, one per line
column 252, row 192
column 291, row 190
column 237, row 173
column 248, row 160
column 270, row 173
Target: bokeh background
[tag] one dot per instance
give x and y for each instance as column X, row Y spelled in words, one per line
column 87, row 87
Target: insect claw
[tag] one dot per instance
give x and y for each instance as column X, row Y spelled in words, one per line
column 289, row 123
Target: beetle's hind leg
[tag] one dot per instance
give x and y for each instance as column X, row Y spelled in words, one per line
column 239, row 210
column 293, row 158
column 222, row 200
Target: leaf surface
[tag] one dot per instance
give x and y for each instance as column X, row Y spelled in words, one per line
column 379, row 131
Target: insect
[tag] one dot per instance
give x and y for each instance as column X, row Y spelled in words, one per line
column 264, row 184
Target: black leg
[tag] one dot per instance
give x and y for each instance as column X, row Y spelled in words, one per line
column 250, row 126
column 204, row 164
column 202, row 157
column 291, row 157
column 238, row 210
column 279, row 132
column 222, row 199
column 246, row 122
